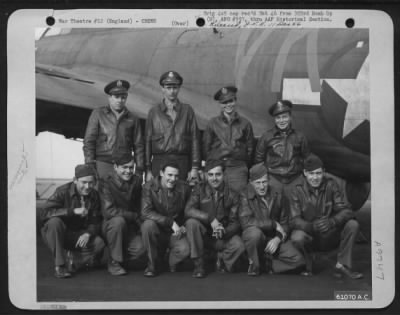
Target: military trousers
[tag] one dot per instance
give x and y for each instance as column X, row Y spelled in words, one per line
column 287, row 257
column 104, row 168
column 199, row 237
column 343, row 238
column 284, row 187
column 59, row 238
column 123, row 240
column 236, row 176
column 157, row 239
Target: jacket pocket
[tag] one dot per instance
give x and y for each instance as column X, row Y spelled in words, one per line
column 157, row 142
column 296, row 148
column 238, row 135
column 102, row 142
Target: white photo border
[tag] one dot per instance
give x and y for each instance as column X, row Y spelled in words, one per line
column 21, row 155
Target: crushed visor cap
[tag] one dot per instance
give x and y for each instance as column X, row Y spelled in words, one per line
column 117, row 87
column 280, row 107
column 225, row 94
column 171, row 78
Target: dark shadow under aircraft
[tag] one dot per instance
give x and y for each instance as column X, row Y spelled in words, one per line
column 324, row 72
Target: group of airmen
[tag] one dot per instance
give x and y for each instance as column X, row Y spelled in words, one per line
column 177, row 196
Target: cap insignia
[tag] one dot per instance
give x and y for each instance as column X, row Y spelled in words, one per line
column 119, row 83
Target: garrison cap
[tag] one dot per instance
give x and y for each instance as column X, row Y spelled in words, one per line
column 313, row 162
column 117, row 87
column 122, row 158
column 210, row 164
column 225, row 94
column 280, row 107
column 257, row 171
column 83, row 170
column 171, row 78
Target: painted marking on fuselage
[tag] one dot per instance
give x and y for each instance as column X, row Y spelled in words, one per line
column 243, row 57
column 312, row 61
column 312, row 66
column 354, row 91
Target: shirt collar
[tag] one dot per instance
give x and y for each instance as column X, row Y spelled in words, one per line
column 313, row 190
column 211, row 191
column 278, row 132
column 176, row 107
column 235, row 116
column 109, row 110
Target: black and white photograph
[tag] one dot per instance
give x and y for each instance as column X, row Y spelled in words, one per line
column 202, row 159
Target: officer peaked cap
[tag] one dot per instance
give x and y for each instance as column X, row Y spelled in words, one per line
column 280, row 107
column 225, row 94
column 117, row 87
column 171, row 78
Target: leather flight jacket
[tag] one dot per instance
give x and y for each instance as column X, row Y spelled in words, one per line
column 162, row 205
column 121, row 198
column 327, row 202
column 229, row 141
column 106, row 136
column 283, row 153
column 251, row 212
column 62, row 204
column 178, row 137
column 204, row 207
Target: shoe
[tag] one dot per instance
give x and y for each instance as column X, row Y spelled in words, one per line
column 220, row 266
column 115, row 268
column 149, row 271
column 253, row 271
column 69, row 262
column 306, row 273
column 198, row 271
column 61, row 272
column 172, row 268
column 268, row 265
column 343, row 270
